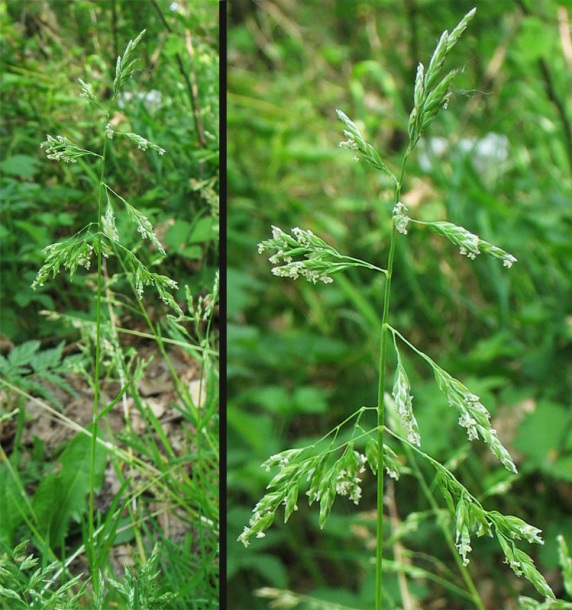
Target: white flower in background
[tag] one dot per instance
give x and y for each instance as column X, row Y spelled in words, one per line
column 487, row 154
column 151, row 99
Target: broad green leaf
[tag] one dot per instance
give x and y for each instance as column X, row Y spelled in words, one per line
column 12, row 507
column 22, row 354
column 173, row 44
column 20, row 165
column 203, row 230
column 47, row 359
column 63, row 496
column 268, row 566
column 565, row 564
column 540, row 437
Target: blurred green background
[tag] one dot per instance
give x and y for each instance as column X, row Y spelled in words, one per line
column 301, row 357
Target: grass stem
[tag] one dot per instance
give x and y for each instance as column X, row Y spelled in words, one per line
column 381, row 399
column 91, row 542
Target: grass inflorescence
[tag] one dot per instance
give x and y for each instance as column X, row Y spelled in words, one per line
column 335, row 465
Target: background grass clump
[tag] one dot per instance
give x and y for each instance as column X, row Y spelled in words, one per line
column 152, row 479
column 499, row 162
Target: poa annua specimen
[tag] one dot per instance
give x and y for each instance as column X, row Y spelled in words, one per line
column 100, row 239
column 330, row 467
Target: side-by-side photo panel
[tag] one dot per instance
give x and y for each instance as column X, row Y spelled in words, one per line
column 109, row 304
column 398, row 314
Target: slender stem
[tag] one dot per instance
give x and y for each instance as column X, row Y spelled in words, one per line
column 381, row 399
column 381, row 423
column 91, row 540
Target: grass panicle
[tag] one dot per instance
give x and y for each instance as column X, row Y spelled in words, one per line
column 331, row 467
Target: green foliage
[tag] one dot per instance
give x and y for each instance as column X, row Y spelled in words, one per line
column 27, row 367
column 20, row 587
column 140, row 588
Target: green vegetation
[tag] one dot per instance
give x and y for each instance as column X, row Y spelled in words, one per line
column 109, row 387
column 303, row 358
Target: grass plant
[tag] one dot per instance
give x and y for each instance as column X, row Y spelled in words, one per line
column 335, row 465
column 174, row 538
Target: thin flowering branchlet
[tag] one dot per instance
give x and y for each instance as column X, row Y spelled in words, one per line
column 142, row 277
column 144, row 226
column 319, row 260
column 141, row 142
column 348, row 475
column 391, row 461
column 263, row 515
column 125, row 65
column 343, row 478
column 61, row 148
column 471, row 518
column 462, row 535
column 87, row 93
column 404, row 403
column 315, row 478
column 429, row 95
column 201, row 309
column 474, row 416
column 507, row 259
column 108, row 222
column 469, row 244
column 522, row 565
column 325, row 480
column 281, row 459
column 516, row 528
column 292, row 469
column 70, row 254
column 356, row 142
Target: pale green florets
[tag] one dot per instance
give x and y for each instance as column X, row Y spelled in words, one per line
column 400, row 218
column 305, row 254
column 61, row 148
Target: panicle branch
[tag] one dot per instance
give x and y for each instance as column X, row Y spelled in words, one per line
column 319, row 261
